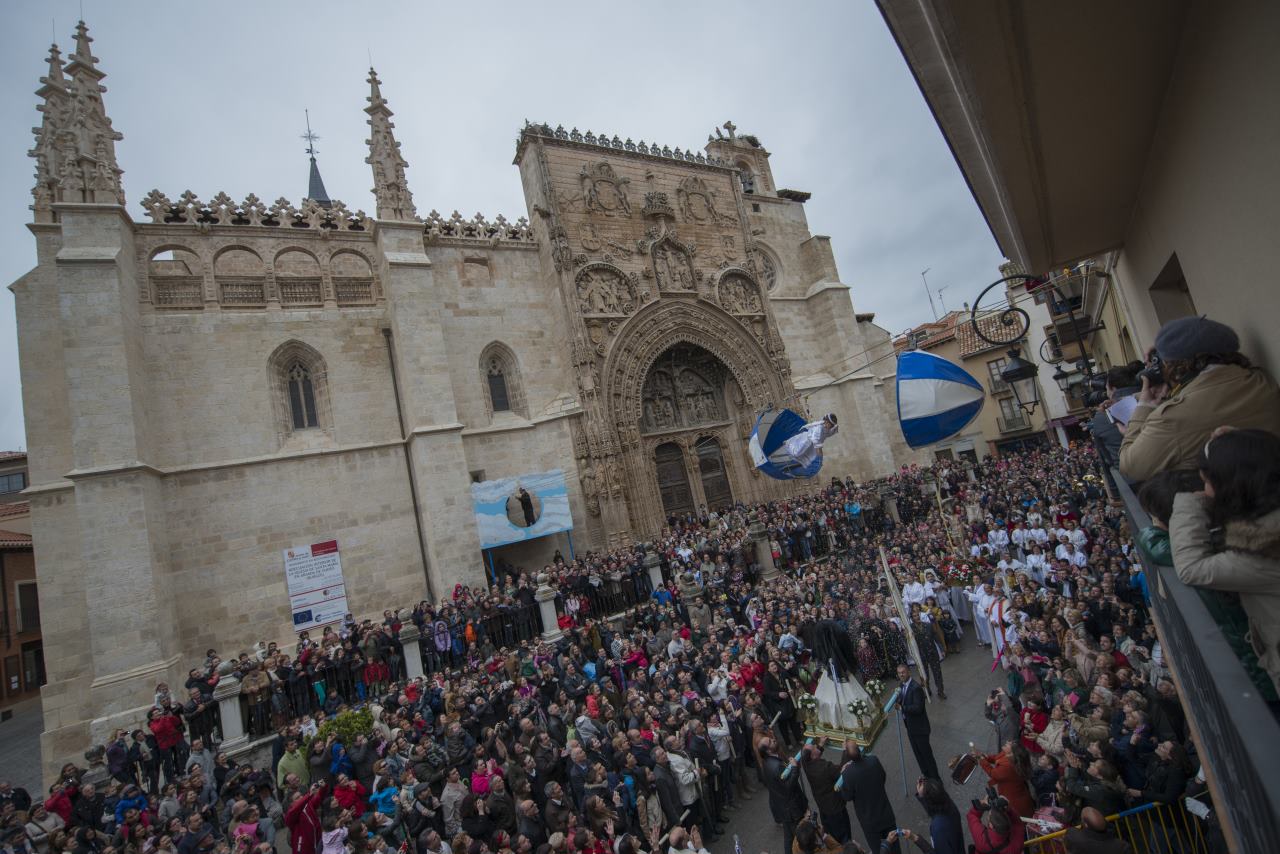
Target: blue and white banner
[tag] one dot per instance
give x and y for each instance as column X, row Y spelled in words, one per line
column 936, row 398
column 515, row 509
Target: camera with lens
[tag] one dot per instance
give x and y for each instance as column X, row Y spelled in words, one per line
column 992, row 801
column 1154, row 371
column 1095, row 390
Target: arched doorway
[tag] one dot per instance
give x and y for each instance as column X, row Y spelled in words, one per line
column 673, row 480
column 715, row 480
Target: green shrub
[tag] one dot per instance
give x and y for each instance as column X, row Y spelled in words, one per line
column 346, row 726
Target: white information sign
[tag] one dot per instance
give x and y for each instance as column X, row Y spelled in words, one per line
column 317, row 593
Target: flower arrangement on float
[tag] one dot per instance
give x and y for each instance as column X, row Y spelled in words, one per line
column 874, row 687
column 807, row 704
column 861, row 710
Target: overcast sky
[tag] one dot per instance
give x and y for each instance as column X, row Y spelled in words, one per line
column 210, row 97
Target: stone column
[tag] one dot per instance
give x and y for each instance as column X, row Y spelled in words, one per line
column 411, row 640
column 653, row 565
column 891, row 507
column 227, row 694
column 546, row 596
column 764, row 554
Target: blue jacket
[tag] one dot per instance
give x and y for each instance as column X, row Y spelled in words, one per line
column 947, row 833
column 385, row 801
column 341, row 763
column 139, row 803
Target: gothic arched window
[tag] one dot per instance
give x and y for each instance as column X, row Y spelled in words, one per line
column 497, row 375
column 302, row 397
column 299, row 390
column 500, row 376
column 747, row 177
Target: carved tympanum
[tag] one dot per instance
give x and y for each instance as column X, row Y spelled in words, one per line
column 684, row 389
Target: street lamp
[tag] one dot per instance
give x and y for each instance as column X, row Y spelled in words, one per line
column 1021, row 377
column 1009, row 327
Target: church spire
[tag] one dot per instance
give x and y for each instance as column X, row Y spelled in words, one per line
column 75, row 148
column 390, row 189
column 315, row 184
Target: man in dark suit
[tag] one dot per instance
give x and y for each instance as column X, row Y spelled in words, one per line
column 822, row 776
column 911, row 705
column 668, row 789
column 786, row 797
column 862, row 782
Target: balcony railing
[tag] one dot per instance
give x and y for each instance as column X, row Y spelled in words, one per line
column 1234, row 732
column 1014, row 423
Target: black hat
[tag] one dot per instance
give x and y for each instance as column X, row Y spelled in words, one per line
column 1188, row 337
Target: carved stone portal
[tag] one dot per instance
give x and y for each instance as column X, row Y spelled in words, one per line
column 684, row 389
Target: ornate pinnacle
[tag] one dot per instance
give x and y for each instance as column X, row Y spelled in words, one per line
column 390, row 188
column 83, row 57
column 55, row 80
column 375, row 92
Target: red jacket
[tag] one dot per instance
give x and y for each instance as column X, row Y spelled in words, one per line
column 987, row 841
column 165, row 729
column 60, row 805
column 303, row 820
column 1007, row 782
column 351, row 797
column 1038, row 721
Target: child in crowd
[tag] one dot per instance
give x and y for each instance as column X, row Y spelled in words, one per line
column 1241, row 497
column 1156, row 497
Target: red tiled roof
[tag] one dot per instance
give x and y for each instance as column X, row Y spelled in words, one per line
column 15, row 508
column 7, row 456
column 972, row 345
column 933, row 333
column 13, row 540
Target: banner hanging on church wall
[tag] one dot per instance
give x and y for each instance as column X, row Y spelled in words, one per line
column 504, row 515
column 317, row 592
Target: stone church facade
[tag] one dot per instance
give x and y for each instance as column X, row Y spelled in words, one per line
column 219, row 380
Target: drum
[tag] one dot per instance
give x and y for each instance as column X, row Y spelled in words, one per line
column 962, row 768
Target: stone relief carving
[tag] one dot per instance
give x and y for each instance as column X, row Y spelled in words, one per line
column 673, row 266
column 697, row 202
column 768, row 272
column 739, row 295
column 684, row 389
column 561, row 254
column 590, row 238
column 603, row 191
column 604, row 290
column 729, row 247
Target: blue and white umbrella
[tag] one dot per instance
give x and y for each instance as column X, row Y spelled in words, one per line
column 936, row 398
column 768, row 445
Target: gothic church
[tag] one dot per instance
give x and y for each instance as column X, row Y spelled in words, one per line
column 209, row 382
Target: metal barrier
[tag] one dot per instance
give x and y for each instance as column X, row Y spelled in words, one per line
column 1153, row 828
column 1235, row 734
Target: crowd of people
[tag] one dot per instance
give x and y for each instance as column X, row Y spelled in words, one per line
column 645, row 732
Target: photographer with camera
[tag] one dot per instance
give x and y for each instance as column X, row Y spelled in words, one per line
column 1196, row 380
column 993, row 826
column 1105, row 427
